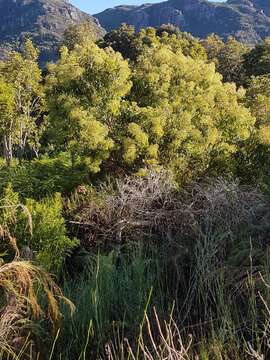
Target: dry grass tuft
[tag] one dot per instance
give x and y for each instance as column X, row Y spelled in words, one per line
column 162, row 340
column 20, row 285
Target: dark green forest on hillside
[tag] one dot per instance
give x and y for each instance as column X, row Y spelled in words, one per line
column 135, row 198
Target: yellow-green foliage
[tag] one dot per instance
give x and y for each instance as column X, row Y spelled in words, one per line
column 84, row 91
column 22, row 75
column 183, row 112
column 167, row 109
column 43, row 177
column 7, row 96
column 7, row 106
column 6, row 101
column 131, row 43
column 80, row 33
column 258, row 98
column 228, row 57
column 165, row 106
column 49, row 240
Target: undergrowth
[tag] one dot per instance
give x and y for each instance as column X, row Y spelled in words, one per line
column 163, row 273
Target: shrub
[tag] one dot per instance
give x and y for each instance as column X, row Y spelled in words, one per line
column 43, row 177
column 21, row 285
column 49, row 242
column 39, row 229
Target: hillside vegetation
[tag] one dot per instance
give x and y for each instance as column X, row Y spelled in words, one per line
column 134, row 186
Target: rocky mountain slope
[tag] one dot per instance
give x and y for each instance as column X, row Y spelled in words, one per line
column 42, row 20
column 247, row 20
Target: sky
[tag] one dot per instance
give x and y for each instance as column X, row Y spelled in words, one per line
column 95, row 6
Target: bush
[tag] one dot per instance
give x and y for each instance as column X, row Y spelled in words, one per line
column 49, row 241
column 43, row 177
column 39, row 228
column 202, row 251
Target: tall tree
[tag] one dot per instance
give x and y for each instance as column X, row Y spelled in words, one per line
column 258, row 100
column 123, row 41
column 166, row 110
column 257, row 61
column 78, row 34
column 7, row 121
column 254, row 156
column 213, row 44
column 181, row 115
column 131, row 44
column 21, row 70
column 84, row 93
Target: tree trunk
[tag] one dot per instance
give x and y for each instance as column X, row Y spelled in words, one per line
column 22, row 145
column 8, row 154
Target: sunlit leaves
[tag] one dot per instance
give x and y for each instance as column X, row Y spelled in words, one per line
column 84, row 94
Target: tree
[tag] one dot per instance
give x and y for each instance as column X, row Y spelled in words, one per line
column 84, row 93
column 213, row 44
column 131, row 44
column 181, row 115
column 170, row 29
column 230, row 61
column 22, row 72
column 257, row 61
column 7, row 122
column 254, row 156
column 228, row 57
column 258, row 100
column 122, row 40
column 166, row 110
column 78, row 34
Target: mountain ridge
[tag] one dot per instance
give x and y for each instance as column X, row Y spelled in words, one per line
column 44, row 21
column 247, row 20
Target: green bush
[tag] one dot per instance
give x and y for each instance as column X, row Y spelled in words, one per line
column 49, row 240
column 39, row 228
column 43, row 177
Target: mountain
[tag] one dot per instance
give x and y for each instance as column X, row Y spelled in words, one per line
column 42, row 20
column 247, row 20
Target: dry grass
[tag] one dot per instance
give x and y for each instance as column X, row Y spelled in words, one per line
column 21, row 282
column 161, row 341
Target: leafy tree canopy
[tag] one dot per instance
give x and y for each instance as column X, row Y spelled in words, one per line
column 23, row 75
column 228, row 57
column 84, row 91
column 131, row 44
column 257, row 61
column 181, row 114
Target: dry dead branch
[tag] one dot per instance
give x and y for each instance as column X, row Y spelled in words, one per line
column 144, row 206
